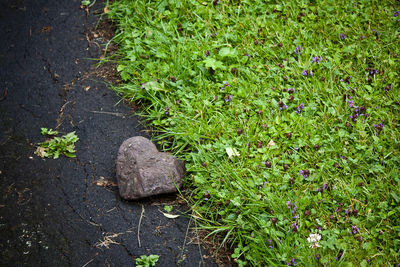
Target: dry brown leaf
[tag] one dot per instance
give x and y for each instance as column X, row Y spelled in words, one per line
column 46, row 29
column 106, row 10
column 103, row 182
column 87, row 88
column 40, row 151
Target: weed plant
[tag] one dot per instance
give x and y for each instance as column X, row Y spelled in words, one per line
column 305, row 97
column 56, row 146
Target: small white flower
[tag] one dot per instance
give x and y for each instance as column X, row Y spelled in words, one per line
column 313, row 239
column 314, row 245
column 232, row 152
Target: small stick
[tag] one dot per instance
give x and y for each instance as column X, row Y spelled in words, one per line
column 4, row 95
column 138, row 231
column 88, row 262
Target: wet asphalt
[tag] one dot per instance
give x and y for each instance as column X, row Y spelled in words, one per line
column 67, row 212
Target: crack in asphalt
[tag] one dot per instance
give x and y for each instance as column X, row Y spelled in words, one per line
column 54, row 76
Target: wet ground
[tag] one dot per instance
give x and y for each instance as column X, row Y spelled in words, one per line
column 67, row 212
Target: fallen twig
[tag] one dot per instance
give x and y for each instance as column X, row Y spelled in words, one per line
column 4, row 95
column 138, row 232
column 87, row 262
column 108, row 241
column 61, row 114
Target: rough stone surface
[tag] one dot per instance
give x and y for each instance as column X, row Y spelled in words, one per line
column 142, row 171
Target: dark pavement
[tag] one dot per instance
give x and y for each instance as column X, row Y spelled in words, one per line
column 67, row 212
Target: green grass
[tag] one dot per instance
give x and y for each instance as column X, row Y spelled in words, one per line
column 211, row 77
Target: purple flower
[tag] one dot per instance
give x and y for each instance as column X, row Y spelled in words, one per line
column 206, row 53
column 283, row 107
column 316, row 59
column 223, row 87
column 294, row 209
column 291, row 263
column 298, row 50
column 396, row 13
column 342, row 36
column 207, row 195
column 351, row 103
column 304, row 173
column 379, row 127
column 354, row 230
column 300, row 108
column 348, row 211
column 166, row 110
column 228, row 98
column 308, row 73
column 294, row 226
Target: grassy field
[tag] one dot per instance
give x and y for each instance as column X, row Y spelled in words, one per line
column 287, row 115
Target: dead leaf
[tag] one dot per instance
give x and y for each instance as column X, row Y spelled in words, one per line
column 106, row 10
column 40, row 151
column 46, row 29
column 170, row 216
column 271, row 143
column 108, row 240
column 103, row 182
column 87, row 88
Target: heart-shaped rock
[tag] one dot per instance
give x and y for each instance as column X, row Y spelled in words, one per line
column 143, row 171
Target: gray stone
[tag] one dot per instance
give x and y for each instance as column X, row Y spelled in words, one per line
column 143, row 171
